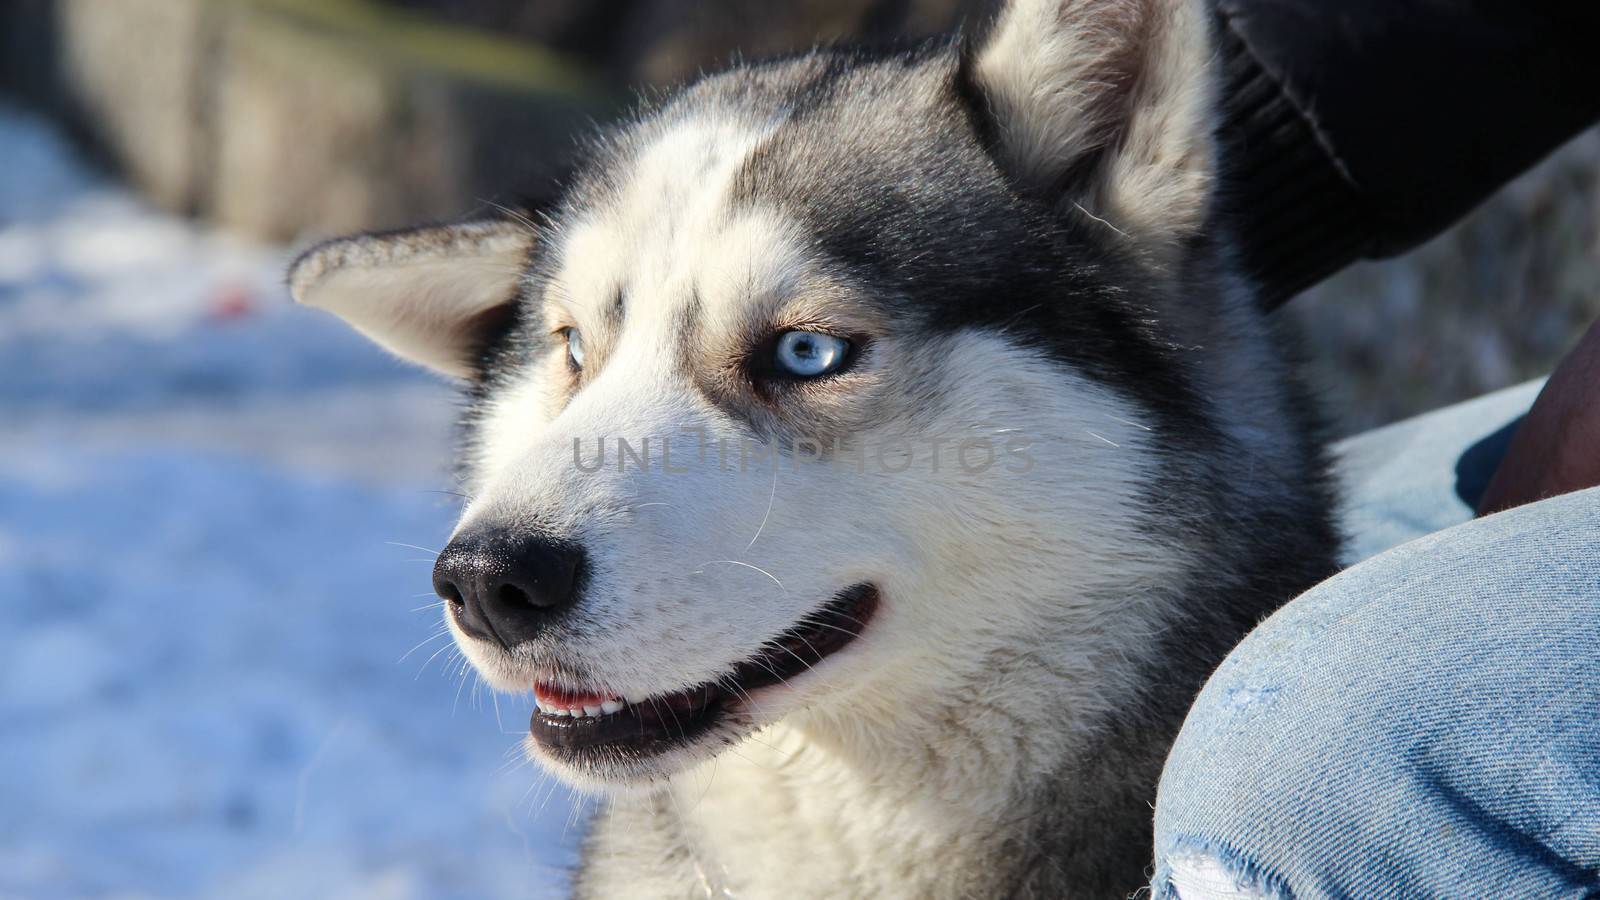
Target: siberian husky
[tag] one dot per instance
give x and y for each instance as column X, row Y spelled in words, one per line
column 868, row 457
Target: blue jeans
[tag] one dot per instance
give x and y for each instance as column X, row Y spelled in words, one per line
column 1426, row 723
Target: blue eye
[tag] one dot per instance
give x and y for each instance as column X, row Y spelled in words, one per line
column 575, row 347
column 807, row 354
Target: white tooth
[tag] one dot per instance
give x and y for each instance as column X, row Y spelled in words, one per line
column 556, row 712
column 611, row 706
column 591, row 711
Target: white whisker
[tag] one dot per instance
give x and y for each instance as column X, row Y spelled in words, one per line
column 411, row 547
column 773, row 495
column 735, row 562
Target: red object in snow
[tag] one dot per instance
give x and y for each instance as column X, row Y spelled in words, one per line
column 232, row 302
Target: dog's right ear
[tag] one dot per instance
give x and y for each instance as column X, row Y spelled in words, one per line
column 431, row 295
column 1105, row 106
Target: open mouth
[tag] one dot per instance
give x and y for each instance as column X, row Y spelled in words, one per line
column 574, row 726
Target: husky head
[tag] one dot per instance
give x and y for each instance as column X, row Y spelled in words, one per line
column 833, row 388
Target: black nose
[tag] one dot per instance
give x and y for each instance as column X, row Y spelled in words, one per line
column 507, row 587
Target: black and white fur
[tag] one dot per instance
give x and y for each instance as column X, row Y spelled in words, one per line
column 1021, row 228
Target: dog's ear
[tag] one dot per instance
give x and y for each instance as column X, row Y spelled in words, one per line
column 1104, row 105
column 431, row 295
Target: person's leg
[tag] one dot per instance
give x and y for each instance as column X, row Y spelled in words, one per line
column 1412, row 478
column 1425, row 724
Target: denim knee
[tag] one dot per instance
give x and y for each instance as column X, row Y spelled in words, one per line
column 1425, row 724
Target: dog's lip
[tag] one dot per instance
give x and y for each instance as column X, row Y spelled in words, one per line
column 666, row 721
column 552, row 695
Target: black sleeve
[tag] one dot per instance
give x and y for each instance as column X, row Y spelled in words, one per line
column 1361, row 128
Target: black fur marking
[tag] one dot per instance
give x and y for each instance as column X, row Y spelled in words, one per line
column 970, row 94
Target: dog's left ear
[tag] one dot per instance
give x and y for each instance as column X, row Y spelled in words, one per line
column 1105, row 105
column 431, row 295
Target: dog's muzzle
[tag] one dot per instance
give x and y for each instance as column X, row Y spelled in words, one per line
column 581, row 726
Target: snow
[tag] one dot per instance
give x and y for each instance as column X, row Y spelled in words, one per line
column 218, row 666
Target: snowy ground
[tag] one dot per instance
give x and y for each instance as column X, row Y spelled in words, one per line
column 205, row 605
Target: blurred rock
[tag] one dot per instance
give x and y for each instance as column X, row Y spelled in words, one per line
column 669, row 41
column 665, row 42
column 130, row 67
column 283, row 117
